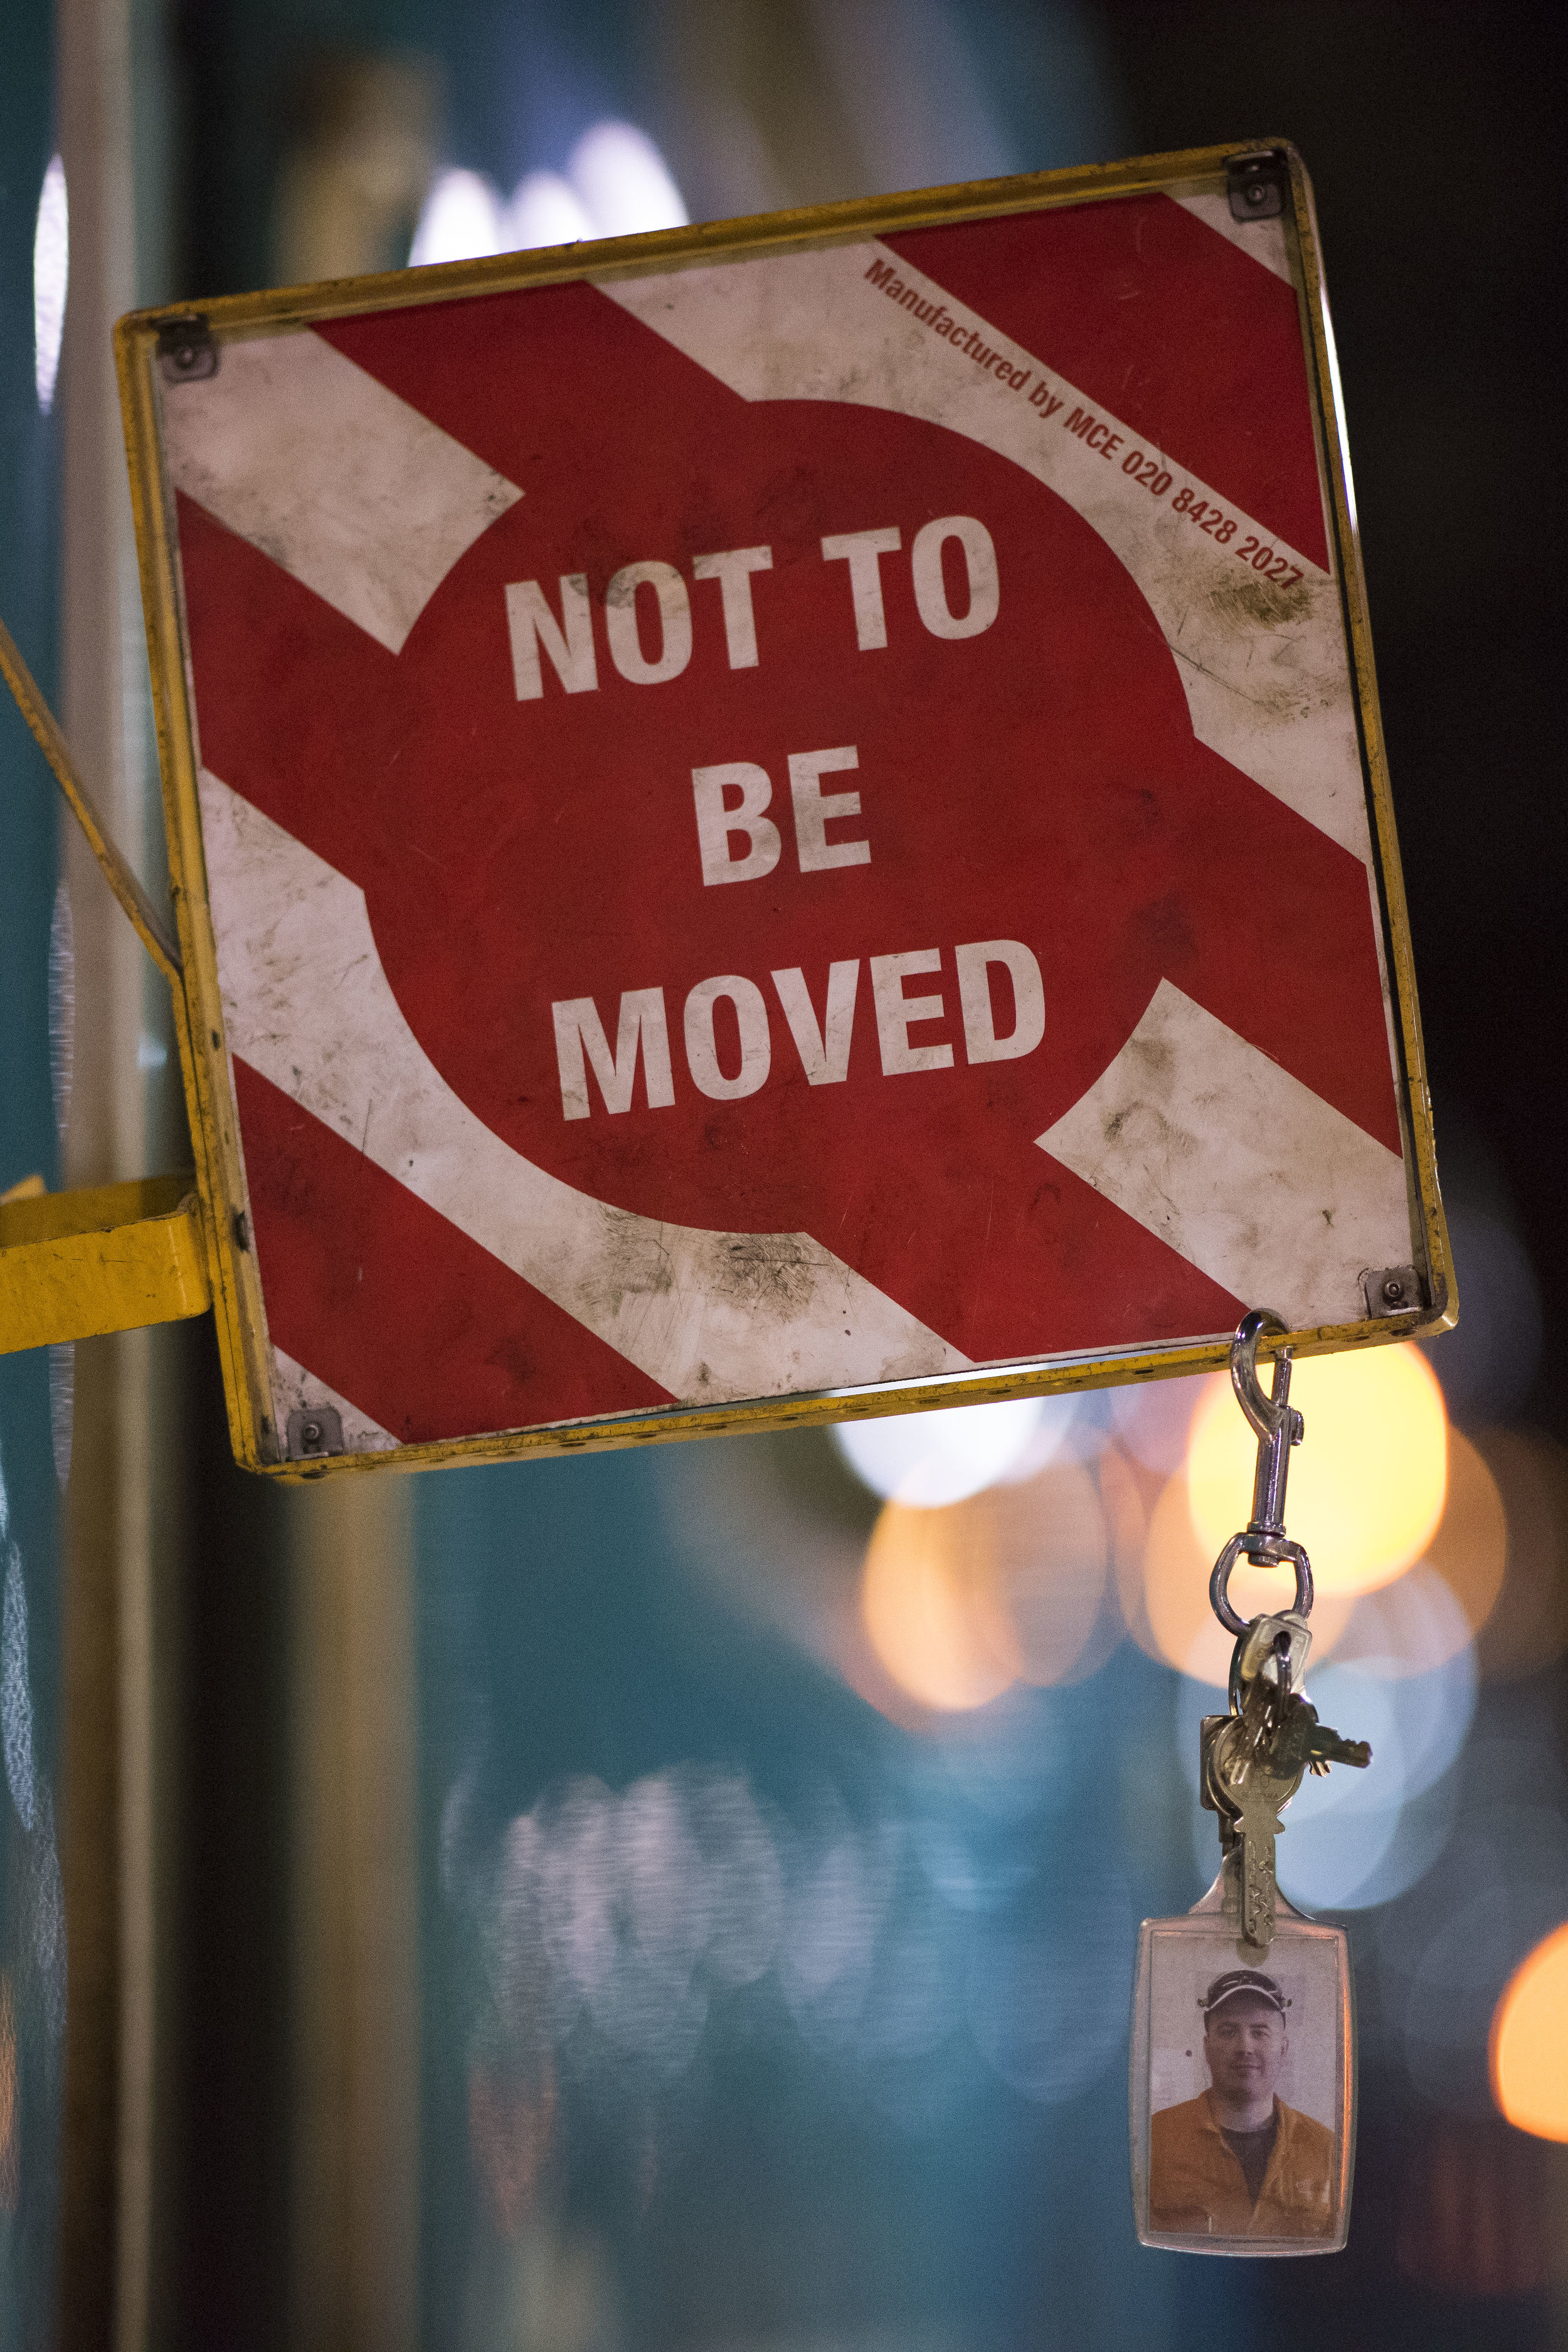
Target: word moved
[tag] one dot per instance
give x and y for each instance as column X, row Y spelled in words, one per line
column 642, row 1029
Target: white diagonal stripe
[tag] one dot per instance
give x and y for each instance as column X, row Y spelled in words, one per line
column 1264, row 670
column 1254, row 1178
column 332, row 475
column 709, row 1315
column 1260, row 240
column 294, row 1390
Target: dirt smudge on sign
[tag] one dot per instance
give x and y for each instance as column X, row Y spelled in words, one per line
column 772, row 1270
column 1249, row 601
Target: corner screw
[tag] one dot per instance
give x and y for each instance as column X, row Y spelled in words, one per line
column 310, row 1433
column 1393, row 1290
column 1256, row 193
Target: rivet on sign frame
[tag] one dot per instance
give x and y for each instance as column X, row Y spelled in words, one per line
column 1393, row 1290
column 314, row 1431
column 1256, row 185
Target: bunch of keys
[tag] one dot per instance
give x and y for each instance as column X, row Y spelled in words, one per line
column 1242, row 2139
column 1252, row 1760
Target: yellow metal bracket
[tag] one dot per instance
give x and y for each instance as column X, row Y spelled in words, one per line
column 73, row 1264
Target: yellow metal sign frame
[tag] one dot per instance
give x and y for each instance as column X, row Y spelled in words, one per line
column 230, row 1268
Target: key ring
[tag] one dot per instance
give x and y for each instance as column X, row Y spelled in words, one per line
column 1279, row 1427
column 1219, row 1582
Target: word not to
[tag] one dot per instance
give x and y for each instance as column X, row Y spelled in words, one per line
column 645, row 609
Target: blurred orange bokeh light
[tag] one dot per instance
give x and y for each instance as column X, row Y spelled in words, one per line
column 1530, row 2043
column 1367, row 1483
column 917, row 1604
column 1008, row 1586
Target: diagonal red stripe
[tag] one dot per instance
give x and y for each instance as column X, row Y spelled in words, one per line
column 1179, row 333
column 300, row 710
column 395, row 1308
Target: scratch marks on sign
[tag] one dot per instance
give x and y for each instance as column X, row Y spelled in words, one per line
column 1248, row 601
column 1254, row 1178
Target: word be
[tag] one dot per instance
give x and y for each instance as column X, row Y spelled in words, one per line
column 823, row 1046
column 569, row 644
column 720, row 821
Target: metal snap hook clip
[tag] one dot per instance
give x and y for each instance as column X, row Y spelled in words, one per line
column 1278, row 1427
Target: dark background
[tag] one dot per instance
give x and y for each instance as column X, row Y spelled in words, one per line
column 1435, row 139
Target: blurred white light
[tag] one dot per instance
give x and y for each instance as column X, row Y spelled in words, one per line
column 616, row 185
column 1337, row 1829
column 913, row 2005
column 624, row 182
column 62, row 1005
column 51, row 256
column 544, row 211
column 836, row 1906
column 1067, row 1430
column 62, row 1406
column 462, row 221
column 969, row 1875
column 49, row 1910
column 932, row 1458
column 1412, row 1626
column 15, row 1696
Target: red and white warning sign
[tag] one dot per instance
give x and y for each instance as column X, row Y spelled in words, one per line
column 786, row 820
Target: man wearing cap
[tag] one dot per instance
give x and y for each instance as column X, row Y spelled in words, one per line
column 1236, row 2162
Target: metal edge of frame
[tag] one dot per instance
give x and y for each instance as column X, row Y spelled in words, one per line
column 210, row 1107
column 1415, row 1096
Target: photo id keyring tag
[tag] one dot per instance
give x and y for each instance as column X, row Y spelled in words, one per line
column 1242, row 2088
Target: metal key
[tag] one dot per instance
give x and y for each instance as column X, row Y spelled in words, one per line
column 1328, row 1747
column 1264, row 1794
column 1301, row 1742
column 1248, row 1786
column 1252, row 1765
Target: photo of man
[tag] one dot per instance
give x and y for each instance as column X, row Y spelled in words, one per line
column 1236, row 2161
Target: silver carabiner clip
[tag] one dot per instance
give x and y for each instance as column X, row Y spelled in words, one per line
column 1279, row 1426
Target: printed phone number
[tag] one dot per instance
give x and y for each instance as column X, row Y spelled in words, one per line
column 1221, row 528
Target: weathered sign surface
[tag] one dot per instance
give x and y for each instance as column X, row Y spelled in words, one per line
column 780, row 815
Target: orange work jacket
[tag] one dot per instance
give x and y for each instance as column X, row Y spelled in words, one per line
column 1197, row 2189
